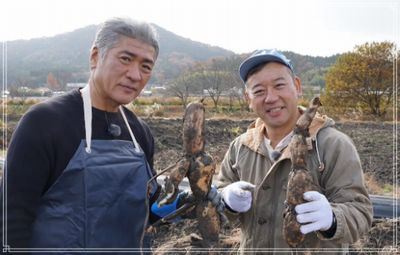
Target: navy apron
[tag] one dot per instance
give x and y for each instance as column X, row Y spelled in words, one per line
column 100, row 200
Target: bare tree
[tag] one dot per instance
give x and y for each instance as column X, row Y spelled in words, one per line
column 183, row 86
column 214, row 79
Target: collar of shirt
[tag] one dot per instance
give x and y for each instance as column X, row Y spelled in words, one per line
column 279, row 147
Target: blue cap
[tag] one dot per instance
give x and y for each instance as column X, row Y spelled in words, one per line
column 259, row 57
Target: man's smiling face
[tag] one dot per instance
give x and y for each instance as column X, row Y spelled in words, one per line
column 273, row 94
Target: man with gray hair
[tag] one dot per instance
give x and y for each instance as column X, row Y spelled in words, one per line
column 78, row 165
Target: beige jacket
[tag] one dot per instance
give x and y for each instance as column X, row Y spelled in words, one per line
column 335, row 166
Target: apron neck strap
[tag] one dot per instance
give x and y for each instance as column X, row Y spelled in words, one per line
column 137, row 146
column 87, row 111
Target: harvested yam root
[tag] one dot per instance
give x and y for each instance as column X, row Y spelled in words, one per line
column 300, row 179
column 199, row 167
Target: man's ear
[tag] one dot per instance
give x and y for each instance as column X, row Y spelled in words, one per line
column 297, row 84
column 247, row 98
column 94, row 57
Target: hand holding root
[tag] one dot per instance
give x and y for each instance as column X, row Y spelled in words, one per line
column 314, row 215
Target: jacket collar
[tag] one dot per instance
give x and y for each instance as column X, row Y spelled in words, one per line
column 254, row 136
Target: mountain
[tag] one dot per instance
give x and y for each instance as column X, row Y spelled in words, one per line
column 66, row 56
column 310, row 69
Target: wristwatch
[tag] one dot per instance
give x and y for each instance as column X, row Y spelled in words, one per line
column 333, row 221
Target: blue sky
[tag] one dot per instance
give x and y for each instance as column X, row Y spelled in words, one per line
column 313, row 27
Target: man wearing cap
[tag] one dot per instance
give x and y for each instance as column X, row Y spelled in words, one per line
column 254, row 173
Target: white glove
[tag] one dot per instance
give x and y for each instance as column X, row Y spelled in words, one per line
column 238, row 196
column 317, row 213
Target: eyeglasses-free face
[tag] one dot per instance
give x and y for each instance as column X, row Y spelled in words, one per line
column 122, row 74
column 273, row 94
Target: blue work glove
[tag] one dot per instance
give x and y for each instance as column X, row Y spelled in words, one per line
column 168, row 208
column 214, row 196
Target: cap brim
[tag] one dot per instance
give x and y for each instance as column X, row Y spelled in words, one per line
column 252, row 62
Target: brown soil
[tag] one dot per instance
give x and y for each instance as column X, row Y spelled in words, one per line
column 374, row 142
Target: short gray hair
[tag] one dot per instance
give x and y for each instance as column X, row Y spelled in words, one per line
column 110, row 32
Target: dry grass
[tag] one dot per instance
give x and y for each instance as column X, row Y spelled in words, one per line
column 375, row 188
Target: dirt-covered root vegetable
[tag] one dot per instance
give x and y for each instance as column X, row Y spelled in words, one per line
column 209, row 223
column 199, row 167
column 172, row 181
column 300, row 179
column 200, row 175
column 193, row 128
column 299, row 182
column 291, row 230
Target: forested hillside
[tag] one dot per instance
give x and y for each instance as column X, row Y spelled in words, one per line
column 65, row 56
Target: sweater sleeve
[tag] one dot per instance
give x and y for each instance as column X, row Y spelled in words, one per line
column 27, row 172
